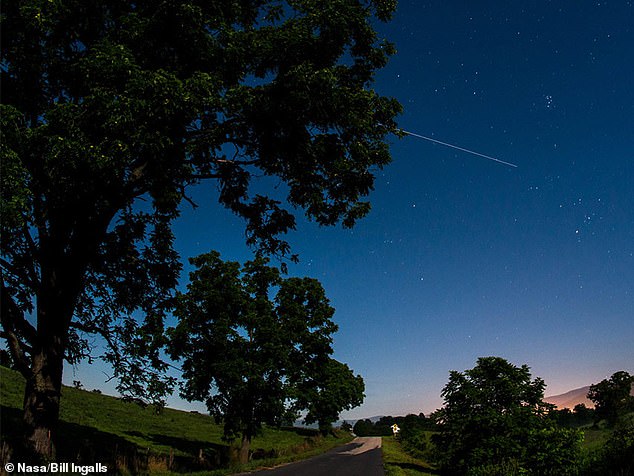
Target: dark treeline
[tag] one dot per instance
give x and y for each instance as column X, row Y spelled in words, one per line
column 383, row 426
column 579, row 416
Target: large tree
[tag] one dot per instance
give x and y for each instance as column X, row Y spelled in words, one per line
column 244, row 334
column 613, row 398
column 111, row 110
column 494, row 421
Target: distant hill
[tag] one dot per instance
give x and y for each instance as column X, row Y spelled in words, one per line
column 373, row 419
column 571, row 398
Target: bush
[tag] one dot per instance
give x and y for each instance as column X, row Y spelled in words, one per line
column 617, row 456
column 554, row 451
column 418, row 443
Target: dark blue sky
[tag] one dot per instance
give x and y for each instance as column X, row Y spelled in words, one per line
column 462, row 257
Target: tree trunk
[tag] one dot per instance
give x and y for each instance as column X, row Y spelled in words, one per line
column 55, row 305
column 68, row 241
column 41, row 402
column 244, row 449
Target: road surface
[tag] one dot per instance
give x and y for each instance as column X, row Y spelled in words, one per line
column 362, row 457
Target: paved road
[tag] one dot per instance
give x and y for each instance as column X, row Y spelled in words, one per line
column 362, row 457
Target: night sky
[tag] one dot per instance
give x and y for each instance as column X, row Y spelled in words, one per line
column 462, row 257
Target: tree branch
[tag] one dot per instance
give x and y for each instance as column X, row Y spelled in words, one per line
column 187, row 198
column 12, row 269
column 103, row 332
column 26, row 349
column 236, row 162
column 205, row 176
column 9, row 314
column 20, row 361
column 12, row 317
column 29, row 238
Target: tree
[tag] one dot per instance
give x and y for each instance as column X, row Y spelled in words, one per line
column 613, row 397
column 325, row 389
column 111, row 111
column 494, row 419
column 363, row 428
column 346, row 426
column 582, row 414
column 242, row 350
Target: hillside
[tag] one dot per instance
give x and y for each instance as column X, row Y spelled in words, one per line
column 96, row 427
column 574, row 397
column 571, row 398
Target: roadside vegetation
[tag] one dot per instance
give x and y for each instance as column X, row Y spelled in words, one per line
column 397, row 461
column 139, row 440
column 495, row 423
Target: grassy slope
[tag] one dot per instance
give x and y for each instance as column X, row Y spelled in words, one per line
column 98, row 424
column 399, row 463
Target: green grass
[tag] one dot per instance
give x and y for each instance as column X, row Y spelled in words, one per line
column 397, row 462
column 95, row 427
column 595, row 438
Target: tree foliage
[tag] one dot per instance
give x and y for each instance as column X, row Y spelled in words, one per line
column 255, row 347
column 613, row 397
column 617, row 456
column 580, row 416
column 112, row 110
column 364, row 427
column 494, row 420
column 323, row 389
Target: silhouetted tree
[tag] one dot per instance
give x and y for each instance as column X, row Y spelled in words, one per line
column 612, row 397
column 364, row 428
column 255, row 346
column 495, row 420
column 112, row 110
column 324, row 389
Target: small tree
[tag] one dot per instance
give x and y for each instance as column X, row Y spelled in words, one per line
column 582, row 414
column 612, row 397
column 363, row 428
column 242, row 350
column 495, row 418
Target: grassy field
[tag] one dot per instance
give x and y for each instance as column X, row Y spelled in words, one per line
column 100, row 428
column 399, row 463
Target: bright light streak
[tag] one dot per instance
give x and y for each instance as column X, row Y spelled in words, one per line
column 458, row 148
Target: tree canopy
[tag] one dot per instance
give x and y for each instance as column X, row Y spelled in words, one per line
column 495, row 420
column 613, row 397
column 324, row 389
column 255, row 347
column 112, row 110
